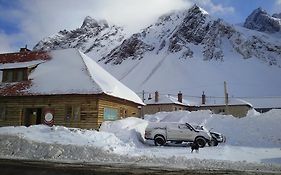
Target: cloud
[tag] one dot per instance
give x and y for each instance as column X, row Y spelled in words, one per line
column 37, row 19
column 276, row 7
column 213, row 8
column 41, row 18
column 6, row 43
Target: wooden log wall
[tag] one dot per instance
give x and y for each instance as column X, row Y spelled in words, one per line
column 90, row 114
column 125, row 108
column 16, row 106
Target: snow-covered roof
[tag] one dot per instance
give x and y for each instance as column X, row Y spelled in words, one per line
column 169, row 99
column 195, row 101
column 69, row 71
column 221, row 101
column 21, row 64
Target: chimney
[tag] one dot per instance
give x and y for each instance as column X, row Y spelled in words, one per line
column 225, row 94
column 156, row 96
column 180, row 97
column 24, row 49
column 203, row 99
column 149, row 97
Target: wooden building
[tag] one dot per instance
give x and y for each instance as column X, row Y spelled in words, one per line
column 167, row 103
column 225, row 106
column 63, row 87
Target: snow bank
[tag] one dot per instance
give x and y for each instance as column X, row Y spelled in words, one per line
column 254, row 130
column 251, row 140
column 63, row 135
column 130, row 130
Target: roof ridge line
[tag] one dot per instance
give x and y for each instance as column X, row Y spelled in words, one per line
column 87, row 70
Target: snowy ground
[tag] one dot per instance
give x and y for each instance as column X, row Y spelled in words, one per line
column 253, row 143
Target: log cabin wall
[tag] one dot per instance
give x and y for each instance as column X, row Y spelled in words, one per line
column 235, row 110
column 123, row 108
column 86, row 105
column 82, row 111
column 154, row 108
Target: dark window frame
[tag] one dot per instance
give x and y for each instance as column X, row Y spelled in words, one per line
column 72, row 112
column 12, row 75
column 2, row 112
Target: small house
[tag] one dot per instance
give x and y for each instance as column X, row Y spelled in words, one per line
column 165, row 103
column 63, row 87
column 225, row 106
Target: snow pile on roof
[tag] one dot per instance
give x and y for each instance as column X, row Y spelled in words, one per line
column 71, row 72
column 65, row 73
column 21, row 64
column 107, row 82
column 122, row 142
column 195, row 101
column 168, row 99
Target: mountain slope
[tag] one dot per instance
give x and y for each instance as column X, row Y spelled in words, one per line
column 181, row 31
column 93, row 36
column 261, row 21
column 190, row 51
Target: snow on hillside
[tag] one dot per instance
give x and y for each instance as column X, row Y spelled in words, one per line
column 188, row 51
column 191, row 52
column 122, row 142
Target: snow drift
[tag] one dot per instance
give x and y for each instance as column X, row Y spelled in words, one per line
column 251, row 140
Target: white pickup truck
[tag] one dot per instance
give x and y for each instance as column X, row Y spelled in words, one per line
column 161, row 132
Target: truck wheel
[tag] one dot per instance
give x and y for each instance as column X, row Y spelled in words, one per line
column 201, row 141
column 213, row 142
column 159, row 140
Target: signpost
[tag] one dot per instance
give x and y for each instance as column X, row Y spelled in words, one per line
column 49, row 117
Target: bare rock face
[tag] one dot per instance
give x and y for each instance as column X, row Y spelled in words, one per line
column 261, row 21
column 93, row 35
column 131, row 48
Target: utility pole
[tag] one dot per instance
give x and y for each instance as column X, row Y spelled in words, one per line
column 226, row 98
column 143, row 95
column 142, row 110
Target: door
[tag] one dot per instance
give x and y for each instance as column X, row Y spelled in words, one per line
column 32, row 116
column 185, row 132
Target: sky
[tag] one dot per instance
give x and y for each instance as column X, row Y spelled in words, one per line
column 25, row 22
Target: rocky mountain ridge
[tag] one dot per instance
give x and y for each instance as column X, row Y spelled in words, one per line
column 261, row 21
column 183, row 33
column 186, row 50
column 92, row 36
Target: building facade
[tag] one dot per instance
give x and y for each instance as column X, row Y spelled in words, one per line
column 63, row 88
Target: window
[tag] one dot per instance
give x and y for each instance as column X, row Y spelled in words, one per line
column 2, row 112
column 72, row 112
column 110, row 114
column 9, row 76
column 14, row 75
column 19, row 75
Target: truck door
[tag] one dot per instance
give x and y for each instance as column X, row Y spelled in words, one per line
column 173, row 132
column 185, row 133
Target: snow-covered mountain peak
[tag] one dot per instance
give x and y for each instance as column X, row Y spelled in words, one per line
column 197, row 10
column 187, row 50
column 93, row 36
column 277, row 15
column 261, row 21
column 90, row 22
